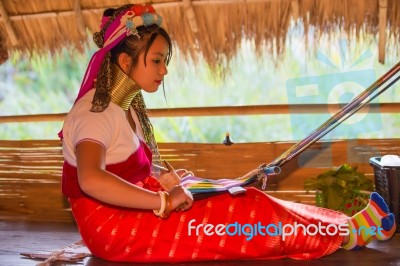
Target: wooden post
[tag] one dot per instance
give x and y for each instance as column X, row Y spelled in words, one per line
column 382, row 29
column 191, row 15
column 79, row 19
column 295, row 9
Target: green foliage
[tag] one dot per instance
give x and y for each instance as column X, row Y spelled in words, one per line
column 49, row 84
column 339, row 185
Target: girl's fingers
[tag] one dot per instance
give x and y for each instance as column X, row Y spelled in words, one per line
column 187, row 173
column 184, row 206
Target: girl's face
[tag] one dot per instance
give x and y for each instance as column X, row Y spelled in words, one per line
column 150, row 76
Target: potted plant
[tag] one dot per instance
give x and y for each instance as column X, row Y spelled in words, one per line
column 343, row 189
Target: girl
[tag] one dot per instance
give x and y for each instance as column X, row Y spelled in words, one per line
column 124, row 214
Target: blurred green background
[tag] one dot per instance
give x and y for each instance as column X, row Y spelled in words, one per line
column 49, row 84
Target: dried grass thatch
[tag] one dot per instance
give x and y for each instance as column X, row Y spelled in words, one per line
column 212, row 29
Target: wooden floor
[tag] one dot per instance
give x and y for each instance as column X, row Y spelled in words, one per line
column 17, row 237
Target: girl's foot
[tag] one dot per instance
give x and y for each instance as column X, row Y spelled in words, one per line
column 373, row 222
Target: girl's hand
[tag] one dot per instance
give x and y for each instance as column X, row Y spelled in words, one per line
column 180, row 172
column 172, row 178
column 183, row 172
column 181, row 198
column 169, row 180
column 178, row 199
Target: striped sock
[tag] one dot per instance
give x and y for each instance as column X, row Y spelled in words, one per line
column 373, row 222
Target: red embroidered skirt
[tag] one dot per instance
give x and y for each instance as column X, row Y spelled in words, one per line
column 130, row 235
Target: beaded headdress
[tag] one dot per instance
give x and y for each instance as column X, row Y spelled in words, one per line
column 128, row 19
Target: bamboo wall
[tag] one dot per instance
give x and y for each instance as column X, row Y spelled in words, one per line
column 30, row 171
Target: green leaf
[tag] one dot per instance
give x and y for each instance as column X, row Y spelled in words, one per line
column 339, row 185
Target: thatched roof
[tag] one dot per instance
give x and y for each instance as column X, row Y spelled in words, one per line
column 213, row 28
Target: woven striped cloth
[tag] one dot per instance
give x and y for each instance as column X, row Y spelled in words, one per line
column 197, row 185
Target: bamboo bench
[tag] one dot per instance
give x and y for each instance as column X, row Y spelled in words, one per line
column 30, row 170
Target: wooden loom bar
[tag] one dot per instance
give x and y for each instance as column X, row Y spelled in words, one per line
column 224, row 111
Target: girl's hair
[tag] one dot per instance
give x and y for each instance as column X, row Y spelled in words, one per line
column 132, row 45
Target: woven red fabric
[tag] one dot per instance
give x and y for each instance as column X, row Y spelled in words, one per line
column 129, row 235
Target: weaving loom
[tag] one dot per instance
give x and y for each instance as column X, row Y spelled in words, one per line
column 234, row 186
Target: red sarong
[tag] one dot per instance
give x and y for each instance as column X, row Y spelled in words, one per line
column 130, row 235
